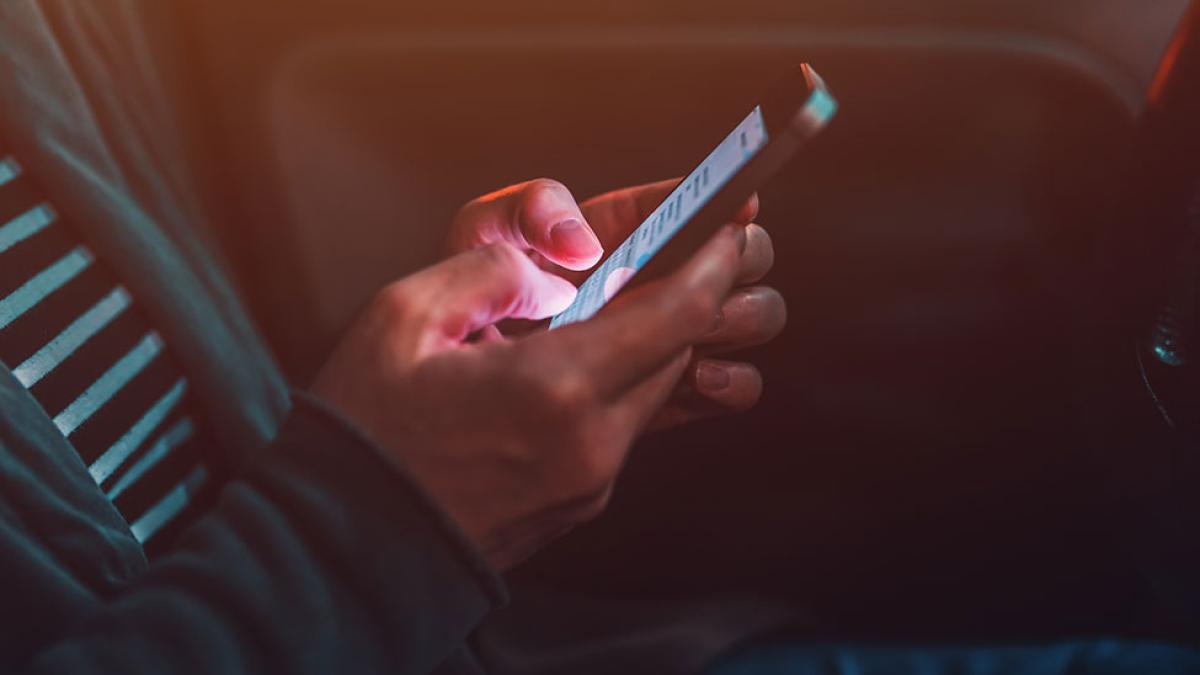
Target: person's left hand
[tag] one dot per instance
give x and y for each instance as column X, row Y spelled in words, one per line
column 542, row 218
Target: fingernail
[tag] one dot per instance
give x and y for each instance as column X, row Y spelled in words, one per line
column 575, row 240
column 711, row 377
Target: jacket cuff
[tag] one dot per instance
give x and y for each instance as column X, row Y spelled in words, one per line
column 360, row 500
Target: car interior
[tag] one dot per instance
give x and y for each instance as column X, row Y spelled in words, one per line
column 954, row 403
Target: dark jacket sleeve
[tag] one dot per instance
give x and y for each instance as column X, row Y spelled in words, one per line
column 1095, row 657
column 321, row 558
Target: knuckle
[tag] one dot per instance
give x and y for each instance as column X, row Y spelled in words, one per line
column 527, row 380
column 697, row 308
column 560, row 398
column 571, row 395
column 544, row 198
column 542, row 188
column 465, row 228
column 394, row 299
column 594, row 471
column 595, row 507
column 502, row 256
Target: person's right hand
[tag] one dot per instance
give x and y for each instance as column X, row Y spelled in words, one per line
column 520, row 440
column 542, row 218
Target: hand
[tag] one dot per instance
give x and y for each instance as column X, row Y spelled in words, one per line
column 520, row 440
column 542, row 218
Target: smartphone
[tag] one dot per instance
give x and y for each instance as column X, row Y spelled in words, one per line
column 794, row 110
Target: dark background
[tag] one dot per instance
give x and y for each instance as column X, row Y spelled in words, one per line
column 952, row 438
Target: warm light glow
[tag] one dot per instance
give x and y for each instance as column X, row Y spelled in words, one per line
column 1171, row 57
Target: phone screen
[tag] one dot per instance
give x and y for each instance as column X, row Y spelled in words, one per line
column 738, row 148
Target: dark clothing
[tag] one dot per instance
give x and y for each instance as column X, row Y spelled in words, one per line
column 1091, row 658
column 320, row 555
column 75, row 338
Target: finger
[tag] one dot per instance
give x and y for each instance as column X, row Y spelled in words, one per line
column 615, row 215
column 709, row 389
column 749, row 316
column 759, row 257
column 490, row 334
column 540, row 215
column 748, row 212
column 643, row 402
column 476, row 289
column 732, row 385
column 636, row 335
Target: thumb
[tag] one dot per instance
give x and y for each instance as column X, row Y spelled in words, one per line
column 539, row 215
column 476, row 289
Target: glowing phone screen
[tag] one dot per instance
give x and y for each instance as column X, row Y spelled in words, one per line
column 676, row 210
